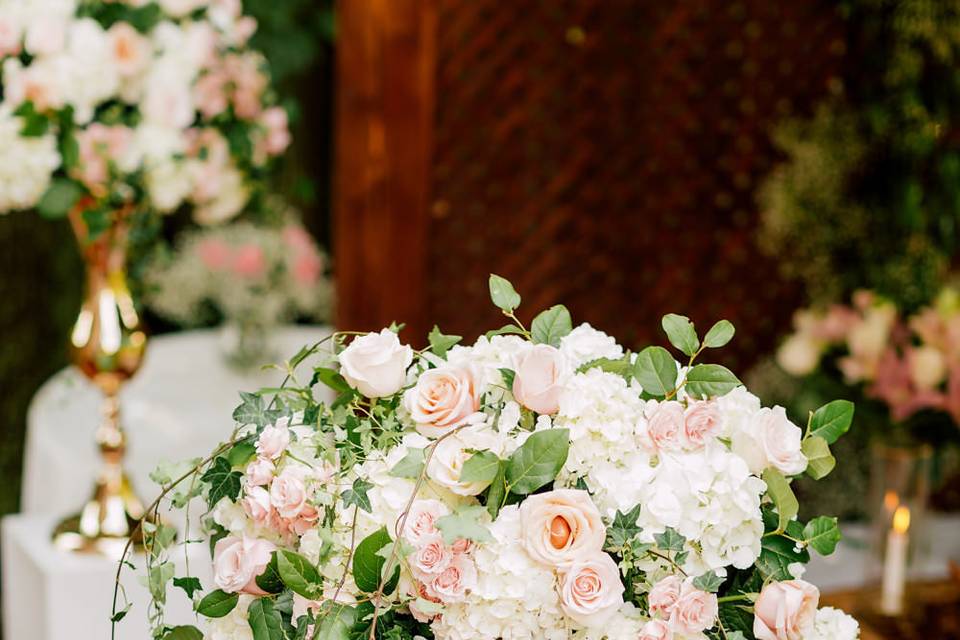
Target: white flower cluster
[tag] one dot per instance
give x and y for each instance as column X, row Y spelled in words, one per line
column 832, row 624
column 25, row 165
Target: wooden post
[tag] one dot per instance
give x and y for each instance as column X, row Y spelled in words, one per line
column 385, row 92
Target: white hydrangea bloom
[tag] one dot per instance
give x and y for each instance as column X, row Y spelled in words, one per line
column 585, row 343
column 488, row 356
column 833, row 624
column 234, row 625
column 26, row 164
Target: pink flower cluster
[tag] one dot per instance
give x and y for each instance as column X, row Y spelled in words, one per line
column 249, row 261
column 677, row 607
column 910, row 363
column 673, row 427
column 442, row 573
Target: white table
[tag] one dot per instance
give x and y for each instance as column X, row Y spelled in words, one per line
column 178, row 406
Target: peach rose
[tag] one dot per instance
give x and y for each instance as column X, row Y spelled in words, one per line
column 442, row 399
column 665, row 426
column 130, row 50
column 376, row 364
column 421, row 520
column 537, row 382
column 695, row 611
column 664, row 595
column 560, row 527
column 455, row 581
column 430, row 559
column 419, row 591
column 238, row 561
column 260, row 472
column 273, row 440
column 701, row 420
column 784, row 610
column 288, row 495
column 656, row 630
column 591, row 590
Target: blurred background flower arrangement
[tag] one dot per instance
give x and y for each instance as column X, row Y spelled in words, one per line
column 248, row 277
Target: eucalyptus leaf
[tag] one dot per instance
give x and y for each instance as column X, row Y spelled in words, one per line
column 720, row 334
column 656, row 371
column 217, row 604
column 550, row 326
column 822, row 534
column 481, row 467
column 710, row 380
column 537, row 461
column 782, row 495
column 681, row 333
column 832, row 420
column 820, row 462
column 503, row 294
column 299, row 574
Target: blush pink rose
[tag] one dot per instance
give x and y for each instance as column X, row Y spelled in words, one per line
column 10, row 35
column 695, row 611
column 256, row 504
column 249, row 261
column 461, row 545
column 273, row 440
column 701, row 421
column 784, row 610
column 238, row 561
column 664, row 595
column 431, row 559
column 307, row 268
column 214, row 253
column 274, row 120
column 665, row 426
column 288, row 494
column 656, row 630
column 421, row 520
column 129, row 48
column 260, row 472
column 442, row 399
column 305, row 520
column 419, row 590
column 455, row 581
column 561, row 527
column 210, row 93
column 591, row 590
column 537, row 383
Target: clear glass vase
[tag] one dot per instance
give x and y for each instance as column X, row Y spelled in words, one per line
column 246, row 345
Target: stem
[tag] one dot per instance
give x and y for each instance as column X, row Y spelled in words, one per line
column 735, row 598
column 668, row 559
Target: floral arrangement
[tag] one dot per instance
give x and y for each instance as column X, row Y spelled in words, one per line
column 155, row 103
column 910, row 364
column 540, row 483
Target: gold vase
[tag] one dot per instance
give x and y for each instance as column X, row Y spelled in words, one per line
column 107, row 344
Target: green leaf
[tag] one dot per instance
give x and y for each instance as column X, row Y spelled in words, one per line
column 189, row 584
column 508, row 329
column 59, row 198
column 157, row 578
column 299, row 574
column 621, row 366
column 411, row 466
column 669, row 540
column 357, row 495
column 720, row 334
column 121, row 614
column 782, row 495
column 509, row 375
column 270, row 580
column 252, row 411
column 820, row 462
column 183, row 632
column 538, row 460
column 300, row 356
column 368, row 564
column 681, row 333
column 708, row 582
column 440, row 343
column 264, row 620
column 656, row 371
column 480, row 467
column 241, row 453
column 337, row 621
column 710, row 380
column 832, row 420
column 735, row 635
column 223, row 481
column 333, row 379
column 465, row 523
column 551, row 325
column 623, row 529
column 776, row 554
column 822, row 534
column 497, row 491
column 503, row 294
column 217, row 604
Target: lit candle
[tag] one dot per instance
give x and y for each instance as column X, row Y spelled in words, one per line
column 895, row 564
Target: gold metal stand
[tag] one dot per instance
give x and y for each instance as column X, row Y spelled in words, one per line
column 107, row 345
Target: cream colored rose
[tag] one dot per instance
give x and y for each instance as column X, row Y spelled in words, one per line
column 451, row 453
column 771, row 440
column 784, row 610
column 664, row 595
column 537, row 384
column 561, row 527
column 799, row 354
column 442, row 399
column 376, row 364
column 238, row 561
column 656, row 630
column 591, row 590
column 701, row 421
column 928, row 367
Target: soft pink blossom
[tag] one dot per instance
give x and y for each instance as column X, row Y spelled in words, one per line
column 695, row 611
column 701, row 421
column 455, row 581
column 656, row 630
column 307, row 268
column 288, row 494
column 249, row 261
column 237, row 561
column 430, row 559
column 214, row 253
column 130, row 49
column 256, row 504
column 665, row 426
column 591, row 590
column 443, row 399
column 784, row 610
column 260, row 471
column 537, row 383
column 11, row 35
column 275, row 122
column 421, row 521
column 273, row 440
column 664, row 595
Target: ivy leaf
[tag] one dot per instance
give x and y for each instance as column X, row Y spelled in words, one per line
column 465, row 523
column 59, row 198
column 656, row 371
column 681, row 333
column 440, row 343
column 782, row 495
column 822, row 534
column 551, row 325
column 481, row 467
column 264, row 620
column 368, row 564
column 538, row 460
column 820, row 462
column 720, row 334
column 503, row 294
column 217, row 604
column 252, row 411
column 358, row 495
column 223, row 481
column 183, row 632
column 708, row 582
column 299, row 575
column 190, row 585
column 710, row 380
column 623, row 529
column 832, row 420
column 411, row 466
column 669, row 540
column 776, row 554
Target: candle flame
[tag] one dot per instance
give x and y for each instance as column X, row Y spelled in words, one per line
column 901, row 520
column 890, row 500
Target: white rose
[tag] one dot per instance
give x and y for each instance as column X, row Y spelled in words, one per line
column 771, row 440
column 561, row 527
column 591, row 590
column 585, row 344
column 452, row 453
column 376, row 364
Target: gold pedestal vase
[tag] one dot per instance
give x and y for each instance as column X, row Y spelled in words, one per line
column 107, row 344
